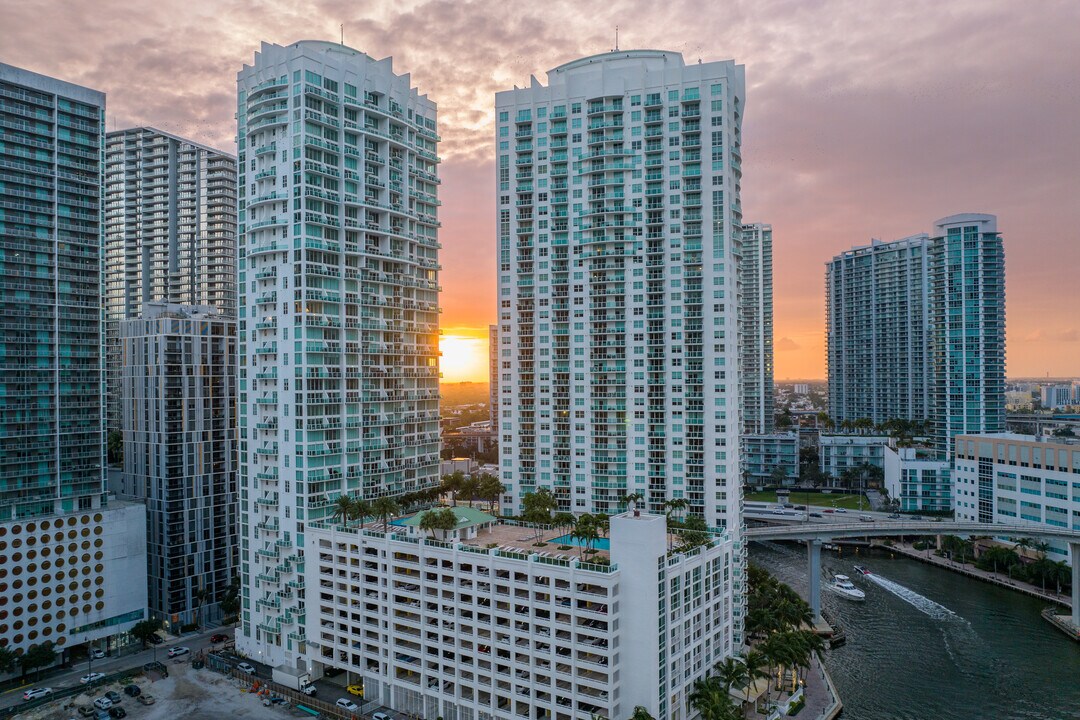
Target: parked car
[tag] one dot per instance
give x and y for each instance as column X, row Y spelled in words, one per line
column 91, row 678
column 347, row 705
column 156, row 640
column 36, row 693
column 97, row 653
column 218, row 638
column 88, row 711
column 117, row 712
column 178, row 651
column 145, row 699
column 114, row 696
column 357, row 690
column 102, row 715
column 246, row 668
column 103, row 703
column 380, row 716
column 133, row 691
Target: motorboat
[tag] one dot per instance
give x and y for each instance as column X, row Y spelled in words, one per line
column 842, row 585
column 861, row 570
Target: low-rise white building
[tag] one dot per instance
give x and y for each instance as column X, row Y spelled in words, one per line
column 1012, row 478
column 840, row 452
column 919, row 478
column 763, row 454
column 497, row 628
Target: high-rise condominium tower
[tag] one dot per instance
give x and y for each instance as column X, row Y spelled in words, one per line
column 967, row 317
column 618, row 209
column 338, row 310
column 179, row 422
column 74, row 570
column 916, row 329
column 756, row 327
column 877, row 307
column 170, row 232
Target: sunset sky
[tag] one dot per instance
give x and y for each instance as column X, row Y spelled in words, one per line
column 868, row 118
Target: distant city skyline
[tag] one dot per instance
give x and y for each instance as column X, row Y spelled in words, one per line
column 863, row 122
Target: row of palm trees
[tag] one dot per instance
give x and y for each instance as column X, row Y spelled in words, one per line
column 483, row 486
column 351, row 508
column 778, row 618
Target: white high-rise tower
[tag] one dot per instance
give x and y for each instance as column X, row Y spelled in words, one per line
column 756, row 327
column 338, row 311
column 618, row 205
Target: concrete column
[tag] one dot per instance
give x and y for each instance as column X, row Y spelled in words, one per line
column 1074, row 557
column 813, row 548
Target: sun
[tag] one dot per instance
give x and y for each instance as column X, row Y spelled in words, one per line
column 464, row 358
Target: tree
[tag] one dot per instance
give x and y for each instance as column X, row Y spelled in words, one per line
column 563, row 522
column 470, row 486
column 359, row 509
column 452, row 484
column 341, row 508
column 537, row 508
column 586, row 531
column 756, row 668
column 778, row 476
column 490, row 489
column 710, row 698
column 732, row 673
column 116, row 448
column 385, row 508
column 641, row 713
column 8, row 659
column 201, row 595
column 230, row 602
column 37, row 656
column 442, row 519
column 145, row 629
column 631, row 500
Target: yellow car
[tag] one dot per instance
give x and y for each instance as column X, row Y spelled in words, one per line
column 357, row 690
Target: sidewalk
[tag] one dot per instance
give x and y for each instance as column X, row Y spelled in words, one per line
column 971, row 571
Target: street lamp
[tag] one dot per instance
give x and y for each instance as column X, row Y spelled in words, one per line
column 89, row 656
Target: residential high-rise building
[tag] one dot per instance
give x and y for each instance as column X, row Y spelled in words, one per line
column 756, row 328
column 179, row 427
column 916, row 330
column 51, row 412
column 877, row 312
column 493, row 377
column 170, row 233
column 967, row 320
column 338, row 268
column 618, row 218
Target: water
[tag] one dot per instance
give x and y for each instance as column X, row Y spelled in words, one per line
column 599, row 543
column 928, row 644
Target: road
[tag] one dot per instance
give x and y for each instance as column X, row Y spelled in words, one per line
column 766, row 512
column 70, row 678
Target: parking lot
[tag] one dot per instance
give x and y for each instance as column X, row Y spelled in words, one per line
column 186, row 694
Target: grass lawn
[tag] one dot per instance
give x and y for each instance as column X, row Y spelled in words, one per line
column 834, row 499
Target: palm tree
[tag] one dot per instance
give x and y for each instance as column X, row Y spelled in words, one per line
column 452, row 484
column 470, row 486
column 585, row 531
column 564, row 521
column 756, row 667
column 710, row 698
column 641, row 713
column 490, row 489
column 732, row 673
column 632, row 499
column 384, row 508
column 342, row 507
column 359, row 509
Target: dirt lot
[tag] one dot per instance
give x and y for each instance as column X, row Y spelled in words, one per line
column 185, row 695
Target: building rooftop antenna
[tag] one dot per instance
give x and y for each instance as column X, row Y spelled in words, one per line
column 616, row 38
column 342, row 26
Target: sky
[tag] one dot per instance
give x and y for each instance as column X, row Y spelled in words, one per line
column 864, row 119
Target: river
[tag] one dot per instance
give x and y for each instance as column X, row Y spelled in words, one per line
column 969, row 651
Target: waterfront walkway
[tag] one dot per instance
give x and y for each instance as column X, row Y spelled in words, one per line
column 970, row 570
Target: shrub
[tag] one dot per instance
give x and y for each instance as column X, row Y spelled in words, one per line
column 565, row 547
column 799, row 705
column 540, row 544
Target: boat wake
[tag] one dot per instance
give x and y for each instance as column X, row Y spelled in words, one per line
column 921, row 603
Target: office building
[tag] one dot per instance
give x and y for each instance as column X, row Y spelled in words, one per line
column 52, row 498
column 967, row 318
column 802, row 389
column 1055, row 397
column 756, row 328
column 339, row 323
column 618, row 219
column 877, row 315
column 766, row 457
column 170, row 233
column 453, row 627
column 179, row 425
column 920, row 479
column 1018, row 479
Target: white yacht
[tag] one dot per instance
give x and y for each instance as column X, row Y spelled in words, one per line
column 842, row 585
